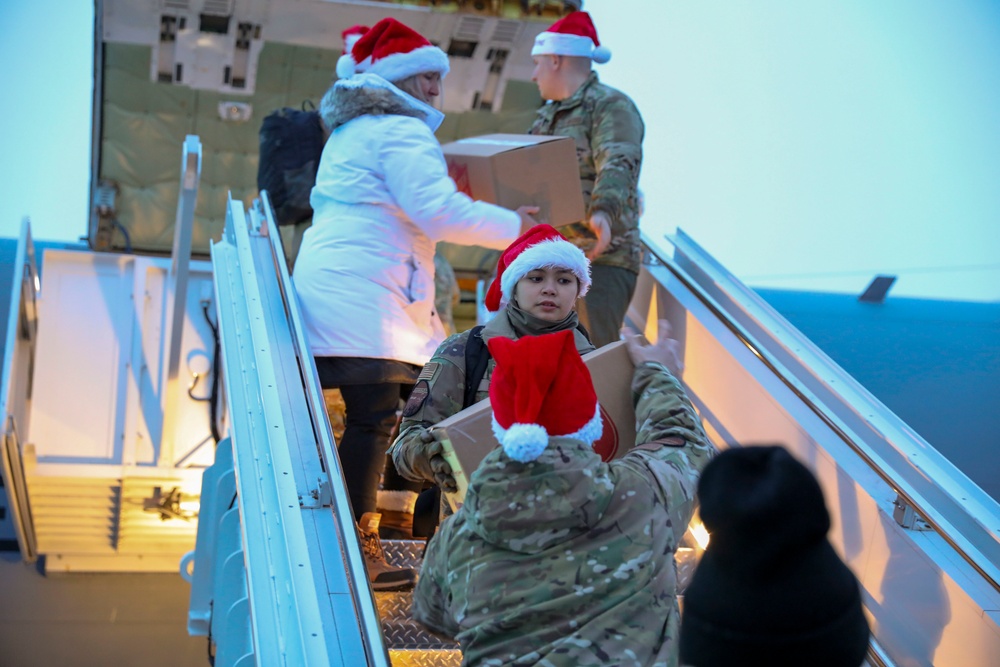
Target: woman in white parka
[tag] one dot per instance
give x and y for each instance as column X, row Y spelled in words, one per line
column 365, row 271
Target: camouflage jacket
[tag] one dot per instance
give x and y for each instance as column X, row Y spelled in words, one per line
column 608, row 131
column 440, row 392
column 568, row 561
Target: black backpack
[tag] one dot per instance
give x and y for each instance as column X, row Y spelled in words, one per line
column 291, row 143
column 477, row 358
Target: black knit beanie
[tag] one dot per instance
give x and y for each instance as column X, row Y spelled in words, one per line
column 770, row 589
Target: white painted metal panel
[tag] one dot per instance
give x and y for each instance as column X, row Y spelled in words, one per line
column 100, row 359
column 85, row 323
column 192, row 430
column 91, row 461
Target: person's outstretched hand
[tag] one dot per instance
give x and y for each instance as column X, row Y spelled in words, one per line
column 527, row 221
column 666, row 351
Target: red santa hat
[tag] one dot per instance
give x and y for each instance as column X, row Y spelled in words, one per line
column 572, row 35
column 540, row 247
column 540, row 388
column 345, row 64
column 392, row 51
column 352, row 35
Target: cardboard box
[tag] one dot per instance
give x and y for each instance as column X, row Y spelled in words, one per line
column 468, row 435
column 513, row 170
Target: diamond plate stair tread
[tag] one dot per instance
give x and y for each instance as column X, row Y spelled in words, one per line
column 409, row 642
column 425, row 658
column 404, row 553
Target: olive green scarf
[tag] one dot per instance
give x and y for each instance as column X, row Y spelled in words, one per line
column 520, row 323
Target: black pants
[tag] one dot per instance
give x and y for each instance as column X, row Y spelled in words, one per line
column 372, row 389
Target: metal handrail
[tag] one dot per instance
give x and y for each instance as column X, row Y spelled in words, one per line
column 177, row 285
column 941, row 526
column 21, row 325
column 877, row 657
column 363, row 596
column 261, row 474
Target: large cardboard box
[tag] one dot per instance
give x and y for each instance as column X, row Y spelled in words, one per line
column 513, row 170
column 468, row 435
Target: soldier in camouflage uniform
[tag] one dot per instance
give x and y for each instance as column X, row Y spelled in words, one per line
column 608, row 131
column 440, row 389
column 566, row 560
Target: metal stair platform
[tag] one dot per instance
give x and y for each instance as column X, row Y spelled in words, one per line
column 410, row 644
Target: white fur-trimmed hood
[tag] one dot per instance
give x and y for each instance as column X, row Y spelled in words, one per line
column 371, row 95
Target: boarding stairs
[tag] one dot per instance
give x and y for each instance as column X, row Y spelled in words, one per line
column 278, row 575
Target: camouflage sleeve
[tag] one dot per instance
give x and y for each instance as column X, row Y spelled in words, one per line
column 430, row 597
column 438, row 394
column 670, row 440
column 662, row 407
column 617, row 150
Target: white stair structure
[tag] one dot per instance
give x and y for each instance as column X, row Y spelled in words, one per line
column 921, row 537
column 106, row 426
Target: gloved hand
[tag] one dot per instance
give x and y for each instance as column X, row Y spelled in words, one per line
column 430, row 463
column 666, row 351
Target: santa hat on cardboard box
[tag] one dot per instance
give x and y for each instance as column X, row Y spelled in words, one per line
column 540, row 388
column 572, row 35
column 393, row 51
column 540, row 247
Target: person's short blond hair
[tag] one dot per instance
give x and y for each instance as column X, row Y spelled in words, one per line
column 411, row 86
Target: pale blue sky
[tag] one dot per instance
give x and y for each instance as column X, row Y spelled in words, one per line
column 47, row 79
column 806, row 145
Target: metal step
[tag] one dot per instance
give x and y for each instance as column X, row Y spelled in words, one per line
column 425, row 658
column 410, row 644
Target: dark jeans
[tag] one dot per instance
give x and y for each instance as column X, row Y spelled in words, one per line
column 372, row 389
column 603, row 309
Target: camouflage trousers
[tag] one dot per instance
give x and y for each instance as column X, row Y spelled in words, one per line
column 602, row 311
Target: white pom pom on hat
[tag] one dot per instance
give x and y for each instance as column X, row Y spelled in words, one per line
column 540, row 388
column 572, row 35
column 601, row 55
column 345, row 64
column 524, row 442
